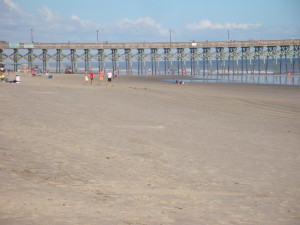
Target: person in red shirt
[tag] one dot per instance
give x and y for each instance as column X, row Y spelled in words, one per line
column 91, row 76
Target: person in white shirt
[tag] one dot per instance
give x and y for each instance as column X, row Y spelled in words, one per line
column 109, row 76
column 18, row 80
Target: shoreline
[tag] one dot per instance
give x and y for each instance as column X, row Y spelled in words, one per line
column 276, row 79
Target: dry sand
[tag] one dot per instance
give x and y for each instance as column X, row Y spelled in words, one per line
column 142, row 151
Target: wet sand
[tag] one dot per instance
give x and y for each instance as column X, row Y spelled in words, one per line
column 143, row 151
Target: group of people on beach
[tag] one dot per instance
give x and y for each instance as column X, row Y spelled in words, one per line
column 89, row 75
column 4, row 77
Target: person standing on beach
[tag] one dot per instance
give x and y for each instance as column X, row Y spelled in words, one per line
column 86, row 79
column 91, row 76
column 101, row 76
column 109, row 76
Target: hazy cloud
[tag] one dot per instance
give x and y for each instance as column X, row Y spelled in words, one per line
column 11, row 5
column 13, row 21
column 144, row 25
column 48, row 15
column 86, row 24
column 54, row 26
column 206, row 24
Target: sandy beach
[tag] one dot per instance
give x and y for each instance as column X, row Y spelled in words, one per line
column 144, row 151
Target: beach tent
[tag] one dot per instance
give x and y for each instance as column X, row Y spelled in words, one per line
column 15, row 66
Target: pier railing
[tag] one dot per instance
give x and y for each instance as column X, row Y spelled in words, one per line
column 149, row 45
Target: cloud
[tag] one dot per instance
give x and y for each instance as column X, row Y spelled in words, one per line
column 140, row 21
column 48, row 15
column 86, row 24
column 142, row 26
column 12, row 17
column 53, row 26
column 11, row 5
column 206, row 24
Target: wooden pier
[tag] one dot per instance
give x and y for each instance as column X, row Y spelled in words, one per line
column 226, row 54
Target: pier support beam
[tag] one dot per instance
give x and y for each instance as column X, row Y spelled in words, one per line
column 193, row 57
column 258, row 52
column 73, row 61
column 1, row 55
column 222, row 55
column 45, row 59
column 246, row 56
column 218, row 56
column 180, row 60
column 284, row 50
column 128, row 61
column 154, row 61
column 30, row 58
column 101, row 59
column 59, row 59
column 271, row 52
column 207, row 63
column 141, row 60
column 16, row 59
column 204, row 59
column 296, row 54
column 114, row 59
column 167, row 52
column 87, row 59
column 232, row 55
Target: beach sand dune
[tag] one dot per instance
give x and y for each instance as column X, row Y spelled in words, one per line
column 144, row 151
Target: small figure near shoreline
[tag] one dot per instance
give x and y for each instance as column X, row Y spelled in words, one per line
column 109, row 77
column 178, row 82
column 86, row 79
column 2, row 76
column 91, row 76
column 17, row 79
column 49, row 76
column 101, row 76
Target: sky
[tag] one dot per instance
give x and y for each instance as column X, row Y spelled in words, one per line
column 89, row 21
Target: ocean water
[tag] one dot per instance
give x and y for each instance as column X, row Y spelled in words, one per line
column 293, row 80
column 201, row 67
column 283, row 71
